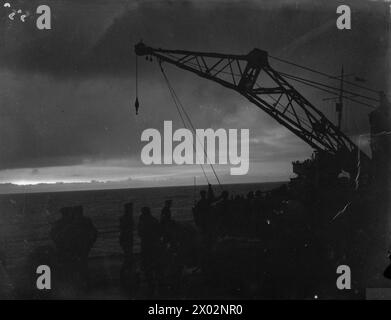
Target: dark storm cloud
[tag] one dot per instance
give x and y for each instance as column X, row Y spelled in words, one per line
column 98, row 37
column 68, row 92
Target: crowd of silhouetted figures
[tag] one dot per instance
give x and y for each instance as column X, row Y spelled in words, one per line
column 169, row 249
column 167, row 246
column 238, row 215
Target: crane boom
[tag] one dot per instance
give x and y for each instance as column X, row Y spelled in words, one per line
column 252, row 76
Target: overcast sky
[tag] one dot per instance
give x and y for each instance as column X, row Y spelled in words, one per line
column 67, row 94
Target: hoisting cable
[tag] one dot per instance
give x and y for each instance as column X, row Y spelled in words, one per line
column 194, row 130
column 180, row 114
column 136, row 103
column 178, row 104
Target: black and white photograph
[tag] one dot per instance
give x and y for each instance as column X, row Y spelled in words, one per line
column 182, row 150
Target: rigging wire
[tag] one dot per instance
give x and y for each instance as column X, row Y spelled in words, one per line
column 329, row 87
column 318, row 84
column 324, row 74
column 307, row 82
